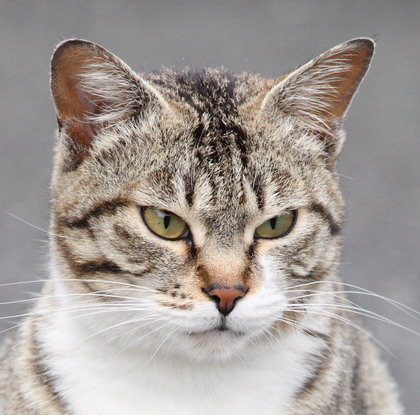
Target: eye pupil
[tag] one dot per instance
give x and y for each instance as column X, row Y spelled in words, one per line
column 273, row 222
column 164, row 224
column 166, row 221
column 278, row 226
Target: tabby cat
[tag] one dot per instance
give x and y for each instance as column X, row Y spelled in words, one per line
column 195, row 235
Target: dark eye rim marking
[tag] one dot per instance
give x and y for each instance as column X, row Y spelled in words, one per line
column 98, row 266
column 335, row 228
column 186, row 236
column 108, row 207
column 292, row 226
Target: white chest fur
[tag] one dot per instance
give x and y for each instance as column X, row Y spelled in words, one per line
column 95, row 379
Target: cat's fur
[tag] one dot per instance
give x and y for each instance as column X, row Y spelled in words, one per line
column 124, row 326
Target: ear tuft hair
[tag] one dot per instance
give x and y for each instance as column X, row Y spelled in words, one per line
column 319, row 93
column 92, row 88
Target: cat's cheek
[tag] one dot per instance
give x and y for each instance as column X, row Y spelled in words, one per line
column 120, row 240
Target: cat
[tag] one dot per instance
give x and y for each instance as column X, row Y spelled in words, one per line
column 195, row 235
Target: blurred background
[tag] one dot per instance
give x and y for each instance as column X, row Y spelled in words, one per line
column 379, row 167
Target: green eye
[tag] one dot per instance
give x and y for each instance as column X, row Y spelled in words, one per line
column 278, row 226
column 167, row 225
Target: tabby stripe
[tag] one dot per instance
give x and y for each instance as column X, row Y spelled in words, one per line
column 106, row 208
column 321, row 367
column 189, row 190
column 240, row 140
column 317, row 274
column 99, row 266
column 90, row 267
column 93, row 267
column 259, row 192
column 41, row 371
column 198, row 134
column 359, row 397
column 317, row 335
column 335, row 228
column 308, row 240
column 189, row 180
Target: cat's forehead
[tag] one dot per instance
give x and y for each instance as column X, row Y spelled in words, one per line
column 216, row 92
column 223, row 135
column 223, row 160
column 224, row 167
column 222, row 153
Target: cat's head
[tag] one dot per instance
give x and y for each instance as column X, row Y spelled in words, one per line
column 193, row 206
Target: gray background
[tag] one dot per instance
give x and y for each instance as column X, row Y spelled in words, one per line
column 379, row 164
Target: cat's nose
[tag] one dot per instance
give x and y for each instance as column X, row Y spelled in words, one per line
column 225, row 297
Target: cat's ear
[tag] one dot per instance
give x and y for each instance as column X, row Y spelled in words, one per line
column 318, row 93
column 92, row 88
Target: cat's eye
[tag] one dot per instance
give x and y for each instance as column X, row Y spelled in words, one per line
column 167, row 225
column 278, row 226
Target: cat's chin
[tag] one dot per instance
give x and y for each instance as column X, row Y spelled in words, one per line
column 214, row 344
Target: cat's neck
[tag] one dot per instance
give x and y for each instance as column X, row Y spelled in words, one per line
column 133, row 382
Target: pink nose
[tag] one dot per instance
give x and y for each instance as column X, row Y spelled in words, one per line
column 225, row 297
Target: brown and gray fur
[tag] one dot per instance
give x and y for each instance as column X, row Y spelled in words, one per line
column 224, row 152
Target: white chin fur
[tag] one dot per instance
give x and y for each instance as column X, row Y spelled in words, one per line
column 160, row 368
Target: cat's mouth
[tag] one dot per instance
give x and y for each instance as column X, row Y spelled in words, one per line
column 216, row 331
column 220, row 328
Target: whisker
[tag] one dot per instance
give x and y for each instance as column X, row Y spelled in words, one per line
column 349, row 322
column 108, row 307
column 139, row 339
column 360, row 311
column 149, row 318
column 78, row 280
column 363, row 291
column 171, row 333
column 95, row 294
column 348, row 306
column 37, row 227
column 42, row 317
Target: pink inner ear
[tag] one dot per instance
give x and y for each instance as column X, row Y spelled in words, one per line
column 76, row 107
column 91, row 107
column 348, row 81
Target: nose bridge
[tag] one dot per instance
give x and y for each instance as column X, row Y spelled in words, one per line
column 222, row 266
